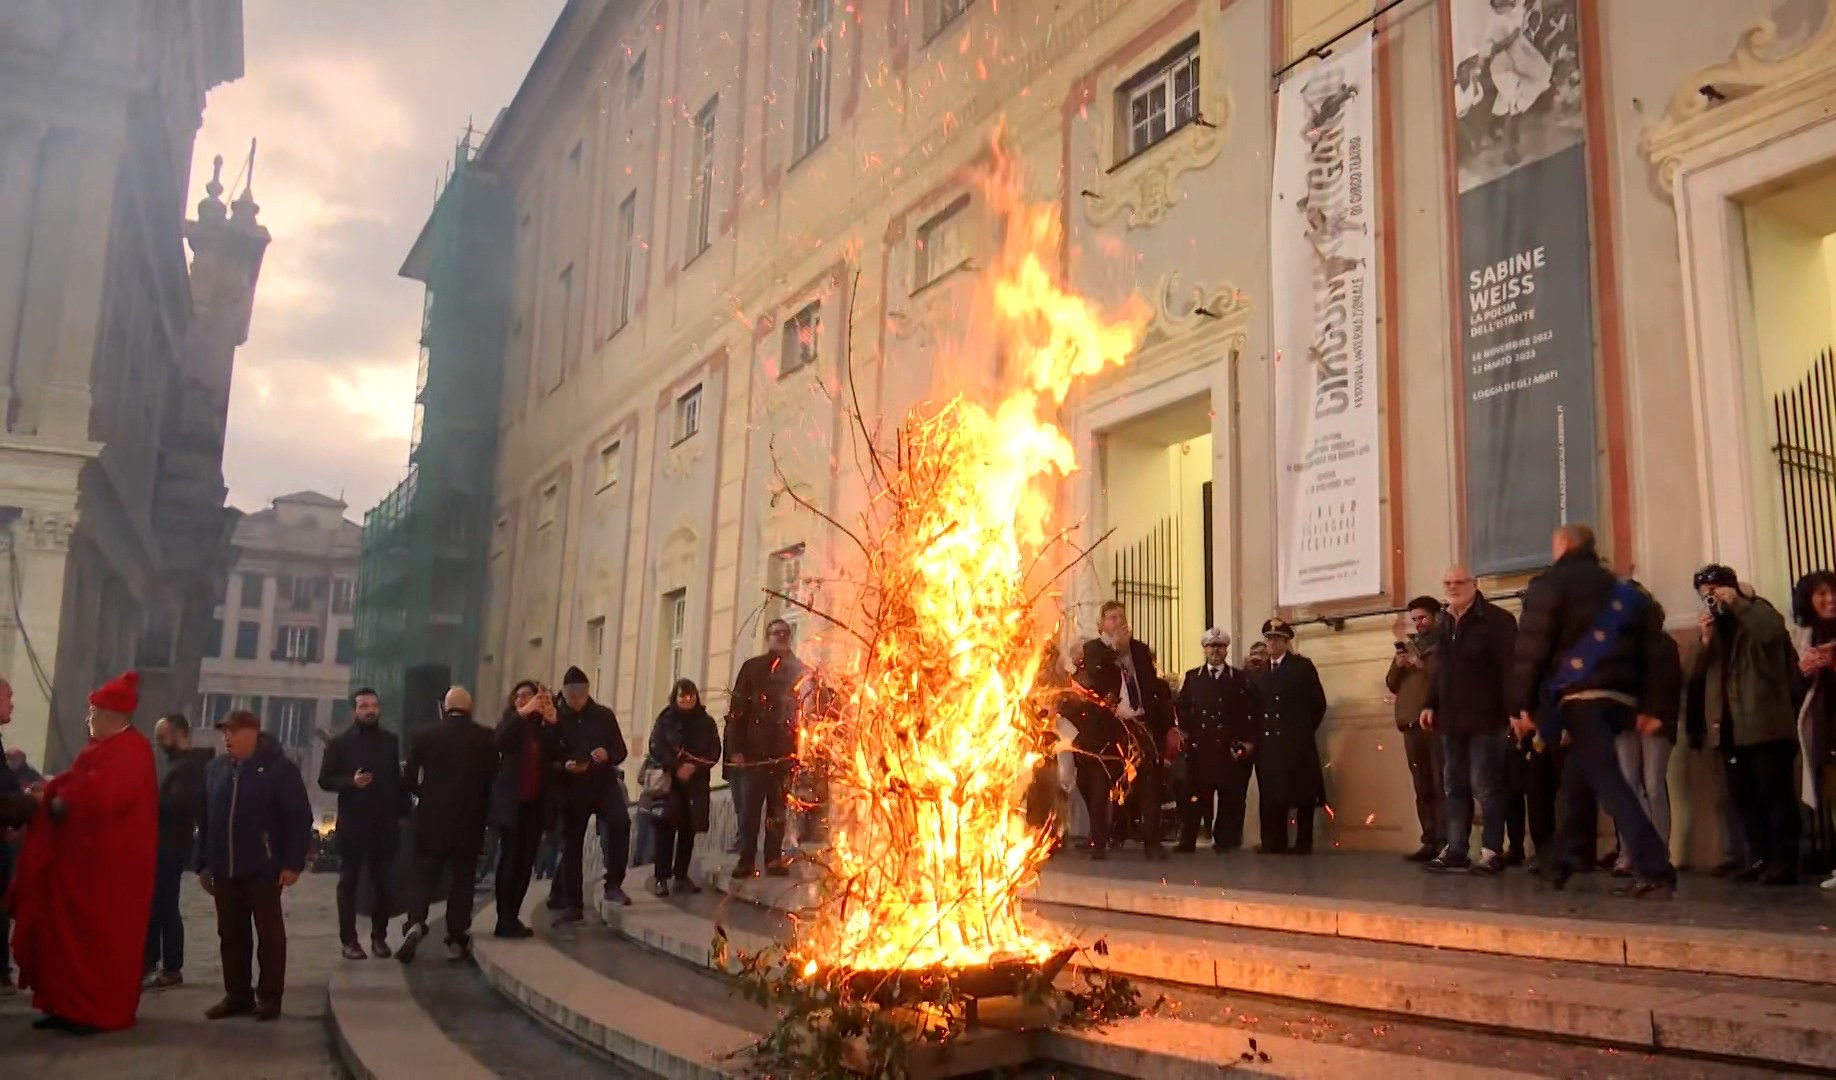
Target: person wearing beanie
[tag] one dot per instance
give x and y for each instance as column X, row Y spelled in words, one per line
column 592, row 749
column 451, row 767
column 84, row 894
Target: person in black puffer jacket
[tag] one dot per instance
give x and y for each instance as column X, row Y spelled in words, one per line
column 1626, row 689
column 684, row 748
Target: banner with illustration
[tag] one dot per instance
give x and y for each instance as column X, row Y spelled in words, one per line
column 1526, row 326
column 1323, row 304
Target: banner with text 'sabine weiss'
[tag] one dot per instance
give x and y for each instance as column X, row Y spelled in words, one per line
column 1527, row 338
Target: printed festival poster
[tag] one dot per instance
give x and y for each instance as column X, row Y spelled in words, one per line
column 1527, row 340
column 1324, row 307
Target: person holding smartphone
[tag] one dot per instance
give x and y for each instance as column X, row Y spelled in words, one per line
column 592, row 747
column 362, row 765
column 1411, row 682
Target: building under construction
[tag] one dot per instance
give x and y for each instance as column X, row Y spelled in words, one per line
column 422, row 583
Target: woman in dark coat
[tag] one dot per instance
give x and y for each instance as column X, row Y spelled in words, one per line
column 522, row 799
column 1288, row 773
column 684, row 745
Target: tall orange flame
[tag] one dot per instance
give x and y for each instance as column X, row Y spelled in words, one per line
column 935, row 735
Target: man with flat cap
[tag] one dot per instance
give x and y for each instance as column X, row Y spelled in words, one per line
column 1288, row 772
column 451, row 767
column 1217, row 711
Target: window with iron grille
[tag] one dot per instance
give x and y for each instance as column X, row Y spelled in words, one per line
column 1160, row 100
column 702, row 183
column 802, row 334
column 815, row 20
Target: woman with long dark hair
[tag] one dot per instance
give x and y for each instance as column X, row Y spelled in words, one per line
column 1813, row 608
column 684, row 746
column 522, row 800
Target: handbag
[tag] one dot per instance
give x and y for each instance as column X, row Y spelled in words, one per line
column 654, row 782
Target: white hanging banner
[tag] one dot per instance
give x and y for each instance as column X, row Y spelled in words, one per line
column 1323, row 258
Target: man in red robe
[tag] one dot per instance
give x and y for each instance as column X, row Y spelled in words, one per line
column 84, row 890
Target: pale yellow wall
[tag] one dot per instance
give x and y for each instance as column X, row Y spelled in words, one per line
column 925, row 114
column 1792, row 315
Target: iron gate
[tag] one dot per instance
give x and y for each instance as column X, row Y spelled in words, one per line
column 1804, row 417
column 1147, row 584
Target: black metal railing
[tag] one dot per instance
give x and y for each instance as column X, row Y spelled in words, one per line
column 1804, row 418
column 1147, row 583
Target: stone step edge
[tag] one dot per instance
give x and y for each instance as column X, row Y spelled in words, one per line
column 381, row 1033
column 1740, row 1026
column 605, row 1015
column 1157, row 1046
column 1755, row 954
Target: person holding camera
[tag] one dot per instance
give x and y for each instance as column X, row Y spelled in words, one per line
column 1745, row 672
column 1217, row 712
column 1411, row 682
column 523, row 796
column 363, row 765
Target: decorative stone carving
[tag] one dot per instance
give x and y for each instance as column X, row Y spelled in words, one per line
column 1763, row 81
column 1177, row 314
column 1146, row 185
column 42, row 530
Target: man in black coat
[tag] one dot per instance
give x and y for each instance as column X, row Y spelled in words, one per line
column 1614, row 680
column 1466, row 705
column 1218, row 715
column 592, row 747
column 16, row 808
column 450, row 769
column 253, row 835
column 363, row 766
column 523, row 797
column 1289, row 777
column 1125, row 711
column 181, row 805
column 763, row 715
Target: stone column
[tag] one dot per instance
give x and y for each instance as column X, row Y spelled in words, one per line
column 65, row 281
column 38, row 542
column 19, row 147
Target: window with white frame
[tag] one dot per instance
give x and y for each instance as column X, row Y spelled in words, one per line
column 802, row 335
column 784, row 577
column 624, row 273
column 609, row 467
column 688, row 414
column 293, row 722
column 815, row 18
column 942, row 14
column 702, row 183
column 675, row 625
column 634, row 81
column 298, row 643
column 596, row 645
column 344, row 596
column 942, row 244
column 1160, row 100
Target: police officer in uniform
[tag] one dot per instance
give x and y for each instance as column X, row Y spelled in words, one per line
column 1218, row 713
column 1288, row 771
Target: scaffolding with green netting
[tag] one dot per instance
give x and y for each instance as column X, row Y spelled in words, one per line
column 421, row 589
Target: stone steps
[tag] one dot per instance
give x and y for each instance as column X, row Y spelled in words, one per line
column 383, row 1034
column 1754, row 953
column 1775, row 1022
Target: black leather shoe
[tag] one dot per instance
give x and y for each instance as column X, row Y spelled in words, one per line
column 229, row 1007
column 1422, row 854
column 513, row 932
column 267, row 1011
column 354, row 951
column 380, row 949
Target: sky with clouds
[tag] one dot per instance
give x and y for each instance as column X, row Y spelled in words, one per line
column 357, row 105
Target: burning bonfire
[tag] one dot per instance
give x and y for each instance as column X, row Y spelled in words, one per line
column 935, row 727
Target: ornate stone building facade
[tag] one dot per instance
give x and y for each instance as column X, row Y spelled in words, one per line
column 114, row 355
column 719, row 202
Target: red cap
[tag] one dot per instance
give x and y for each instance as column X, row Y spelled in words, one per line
column 120, row 694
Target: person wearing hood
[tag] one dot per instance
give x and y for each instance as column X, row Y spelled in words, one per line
column 84, row 892
column 257, row 826
column 451, row 767
column 181, row 804
column 684, row 748
column 592, row 749
column 523, row 797
column 1745, row 671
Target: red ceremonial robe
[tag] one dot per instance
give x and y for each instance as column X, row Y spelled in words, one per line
column 84, row 891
